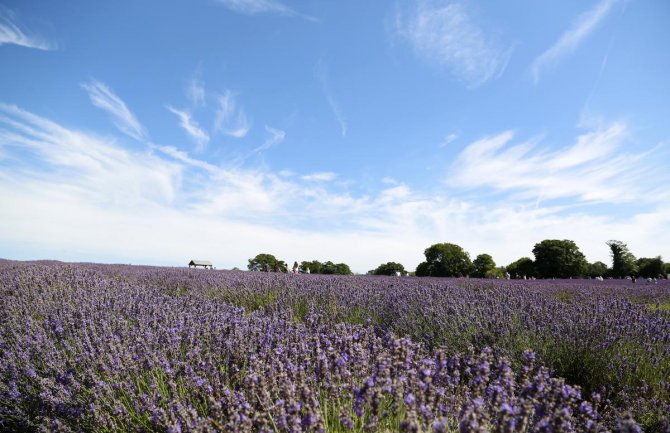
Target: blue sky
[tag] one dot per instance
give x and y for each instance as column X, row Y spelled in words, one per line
column 358, row 132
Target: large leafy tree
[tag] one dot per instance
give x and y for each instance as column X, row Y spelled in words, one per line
column 597, row 269
column 556, row 258
column 482, row 265
column 314, row 266
column 445, row 260
column 267, row 263
column 650, row 267
column 335, row 268
column 330, row 268
column 623, row 261
column 522, row 267
column 389, row 268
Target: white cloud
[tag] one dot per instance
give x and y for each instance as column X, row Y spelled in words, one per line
column 448, row 140
column 445, row 33
column 323, row 77
column 103, row 98
column 322, row 176
column 10, row 33
column 196, row 91
column 91, row 168
column 569, row 41
column 184, row 157
column 253, row 7
column 191, row 127
column 72, row 196
column 231, row 119
column 276, row 137
column 591, row 169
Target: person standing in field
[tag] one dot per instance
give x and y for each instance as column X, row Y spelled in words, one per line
column 295, row 267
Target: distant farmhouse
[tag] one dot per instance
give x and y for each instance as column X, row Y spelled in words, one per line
column 204, row 263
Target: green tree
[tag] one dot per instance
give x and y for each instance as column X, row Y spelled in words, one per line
column 331, row 268
column 266, row 263
column 423, row 270
column 482, row 265
column 597, row 269
column 498, row 272
column 556, row 258
column 623, row 261
column 445, row 260
column 522, row 267
column 650, row 267
column 389, row 268
column 314, row 266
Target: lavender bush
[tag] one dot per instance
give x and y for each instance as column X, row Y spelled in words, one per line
column 116, row 348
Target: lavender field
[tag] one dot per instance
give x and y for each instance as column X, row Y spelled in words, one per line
column 101, row 348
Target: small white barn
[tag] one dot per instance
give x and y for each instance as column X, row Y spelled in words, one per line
column 204, row 263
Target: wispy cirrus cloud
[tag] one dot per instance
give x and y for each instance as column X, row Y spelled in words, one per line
column 230, row 118
column 276, row 136
column 448, row 140
column 445, row 33
column 94, row 168
column 103, row 98
column 593, row 169
column 253, row 7
column 569, row 41
column 191, row 127
column 323, row 77
column 322, row 176
column 12, row 34
column 195, row 91
column 59, row 185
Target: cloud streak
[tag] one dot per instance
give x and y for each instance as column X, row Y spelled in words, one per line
column 60, row 186
column 445, row 34
column 196, row 91
column 191, row 127
column 12, row 34
column 591, row 170
column 229, row 118
column 102, row 97
column 253, row 7
column 569, row 41
column 323, row 78
column 276, row 137
column 323, row 176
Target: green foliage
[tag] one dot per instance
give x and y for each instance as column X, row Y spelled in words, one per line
column 623, row 261
column 266, row 263
column 314, row 266
column 445, row 260
column 556, row 258
column 330, row 268
column 389, row 268
column 498, row 272
column 597, row 269
column 482, row 265
column 423, row 270
column 650, row 267
column 335, row 269
column 523, row 266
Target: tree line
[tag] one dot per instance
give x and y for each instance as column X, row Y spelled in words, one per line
column 269, row 263
column 553, row 258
